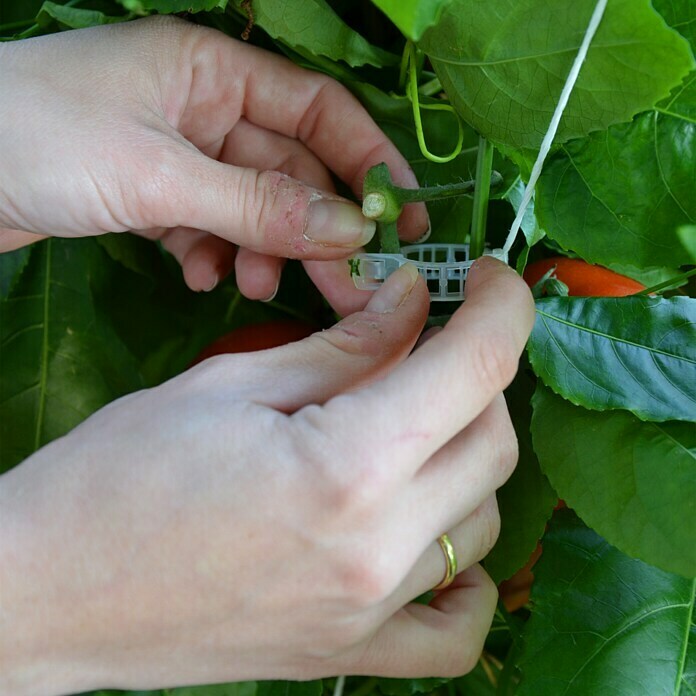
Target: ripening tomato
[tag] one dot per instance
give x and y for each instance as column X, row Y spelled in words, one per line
column 268, row 334
column 583, row 279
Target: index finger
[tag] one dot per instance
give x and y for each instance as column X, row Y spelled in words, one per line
column 449, row 381
column 328, row 119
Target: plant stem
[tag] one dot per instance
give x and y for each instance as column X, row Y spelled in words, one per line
column 677, row 280
column 388, row 238
column 484, row 165
column 431, row 88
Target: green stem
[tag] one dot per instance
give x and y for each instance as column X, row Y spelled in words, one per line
column 484, row 166
column 431, row 88
column 412, row 92
column 11, row 26
column 677, row 280
column 436, row 193
column 388, row 238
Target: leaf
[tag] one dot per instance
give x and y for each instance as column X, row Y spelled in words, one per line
column 687, row 236
column 680, row 15
column 11, row 265
column 409, row 687
column 450, row 219
column 530, row 225
column 503, row 64
column 619, row 196
column 172, row 6
column 603, row 623
column 413, row 17
column 74, row 17
column 526, row 500
column 232, row 689
column 60, row 359
column 312, row 25
column 632, row 481
column 633, row 353
column 289, row 688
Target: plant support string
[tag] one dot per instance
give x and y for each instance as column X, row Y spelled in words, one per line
column 592, row 27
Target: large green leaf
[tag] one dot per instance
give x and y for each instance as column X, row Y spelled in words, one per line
column 313, row 26
column 412, row 17
column 633, row 353
column 604, row 623
column 450, row 219
column 59, row 358
column 620, row 196
column 503, row 64
column 526, row 500
column 632, row 481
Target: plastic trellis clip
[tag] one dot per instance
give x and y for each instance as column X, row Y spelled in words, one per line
column 443, row 266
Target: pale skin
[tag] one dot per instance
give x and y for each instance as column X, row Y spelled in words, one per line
column 262, row 516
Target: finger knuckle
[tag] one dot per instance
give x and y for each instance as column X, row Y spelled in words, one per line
column 495, row 359
column 367, row 579
column 506, row 448
column 279, row 210
column 489, row 527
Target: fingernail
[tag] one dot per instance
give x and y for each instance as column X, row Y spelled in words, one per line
column 394, row 291
column 213, row 285
column 275, row 292
column 426, row 235
column 337, row 223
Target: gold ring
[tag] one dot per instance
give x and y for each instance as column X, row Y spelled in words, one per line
column 450, row 560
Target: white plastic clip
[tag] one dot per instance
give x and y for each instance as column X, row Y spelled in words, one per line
column 443, row 266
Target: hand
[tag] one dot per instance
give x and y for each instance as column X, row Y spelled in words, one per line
column 271, row 515
column 183, row 134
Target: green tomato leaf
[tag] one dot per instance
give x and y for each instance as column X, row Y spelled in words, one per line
column 289, row 688
column 74, row 17
column 632, row 353
column 687, row 236
column 526, row 500
column 312, row 25
column 409, row 687
column 619, row 196
column 60, row 358
column 172, row 6
column 604, row 623
column 412, row 17
column 503, row 64
column 632, row 481
column 11, row 265
column 233, row 689
column 680, row 15
column 530, row 225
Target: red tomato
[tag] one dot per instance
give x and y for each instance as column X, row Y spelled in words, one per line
column 515, row 591
column 252, row 337
column 582, row 278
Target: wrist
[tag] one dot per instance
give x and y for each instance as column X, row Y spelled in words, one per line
column 35, row 659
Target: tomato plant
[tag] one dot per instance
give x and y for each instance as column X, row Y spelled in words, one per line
column 603, row 404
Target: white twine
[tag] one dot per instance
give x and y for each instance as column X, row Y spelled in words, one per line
column 340, row 684
column 555, row 121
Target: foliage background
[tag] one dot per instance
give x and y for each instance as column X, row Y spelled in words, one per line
column 604, row 403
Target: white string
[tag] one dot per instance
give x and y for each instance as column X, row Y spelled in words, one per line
column 555, row 121
column 340, row 684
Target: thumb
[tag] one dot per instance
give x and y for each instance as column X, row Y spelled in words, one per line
column 269, row 212
column 358, row 350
